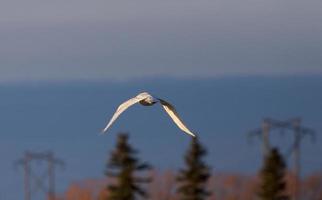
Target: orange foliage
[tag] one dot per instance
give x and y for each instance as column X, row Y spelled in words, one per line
column 312, row 187
column 162, row 186
column 223, row 187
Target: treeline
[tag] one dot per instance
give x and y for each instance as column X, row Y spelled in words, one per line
column 129, row 178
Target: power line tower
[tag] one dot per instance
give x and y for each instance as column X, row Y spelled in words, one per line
column 34, row 183
column 299, row 132
column 268, row 124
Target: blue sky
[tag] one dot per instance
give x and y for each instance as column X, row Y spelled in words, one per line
column 95, row 40
column 67, row 119
column 72, row 61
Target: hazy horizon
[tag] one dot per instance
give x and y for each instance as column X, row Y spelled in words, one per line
column 103, row 40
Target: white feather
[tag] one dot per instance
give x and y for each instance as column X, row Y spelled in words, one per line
column 175, row 116
column 125, row 106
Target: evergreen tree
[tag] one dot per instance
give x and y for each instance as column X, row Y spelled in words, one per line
column 122, row 166
column 193, row 179
column 272, row 177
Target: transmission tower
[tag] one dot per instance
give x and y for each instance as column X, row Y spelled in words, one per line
column 34, row 183
column 299, row 132
column 263, row 132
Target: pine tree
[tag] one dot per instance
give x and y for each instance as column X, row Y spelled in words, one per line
column 193, row 179
column 122, row 166
column 272, row 176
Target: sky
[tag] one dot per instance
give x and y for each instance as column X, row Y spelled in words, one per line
column 67, row 119
column 121, row 40
column 66, row 65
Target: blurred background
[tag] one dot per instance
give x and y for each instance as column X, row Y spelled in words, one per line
column 225, row 65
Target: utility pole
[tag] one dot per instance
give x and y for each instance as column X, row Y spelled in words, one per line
column 33, row 182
